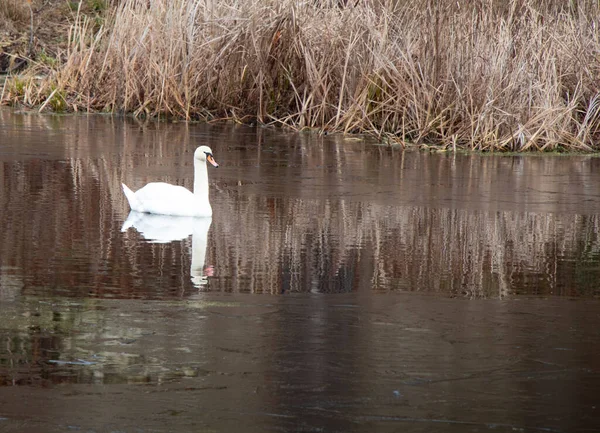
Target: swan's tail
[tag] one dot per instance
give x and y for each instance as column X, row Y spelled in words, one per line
column 133, row 203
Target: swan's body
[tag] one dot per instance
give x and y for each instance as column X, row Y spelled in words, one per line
column 166, row 199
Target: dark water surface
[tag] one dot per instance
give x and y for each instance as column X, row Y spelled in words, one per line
column 340, row 286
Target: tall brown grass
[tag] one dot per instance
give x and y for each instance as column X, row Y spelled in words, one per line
column 477, row 74
column 13, row 11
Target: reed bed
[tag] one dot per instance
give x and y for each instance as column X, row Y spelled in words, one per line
column 476, row 74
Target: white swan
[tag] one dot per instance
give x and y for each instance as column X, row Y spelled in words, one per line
column 166, row 199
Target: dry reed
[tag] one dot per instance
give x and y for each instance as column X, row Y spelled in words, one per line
column 476, row 74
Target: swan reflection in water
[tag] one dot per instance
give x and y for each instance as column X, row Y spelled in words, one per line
column 165, row 228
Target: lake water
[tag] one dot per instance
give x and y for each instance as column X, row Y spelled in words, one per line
column 340, row 286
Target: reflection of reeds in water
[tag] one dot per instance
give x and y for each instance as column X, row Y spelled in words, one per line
column 338, row 228
column 343, row 246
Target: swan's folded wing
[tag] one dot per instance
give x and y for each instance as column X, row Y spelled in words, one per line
column 166, row 199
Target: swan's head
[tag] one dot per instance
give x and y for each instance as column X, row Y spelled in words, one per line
column 203, row 154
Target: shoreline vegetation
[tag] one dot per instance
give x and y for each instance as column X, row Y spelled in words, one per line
column 485, row 75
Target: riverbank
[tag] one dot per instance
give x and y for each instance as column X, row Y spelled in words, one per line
column 478, row 75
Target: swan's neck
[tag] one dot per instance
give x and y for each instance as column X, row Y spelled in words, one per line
column 201, row 181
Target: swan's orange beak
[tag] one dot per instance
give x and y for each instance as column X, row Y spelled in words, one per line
column 210, row 159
